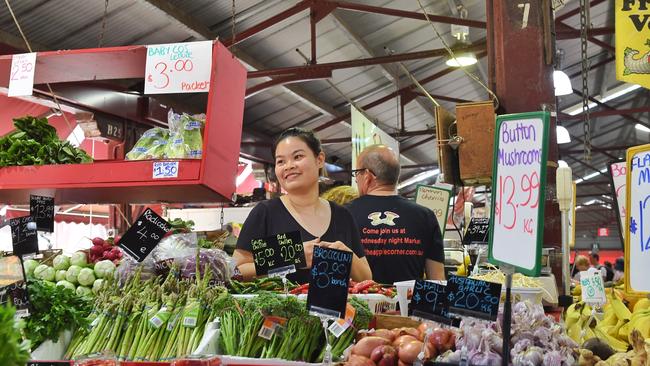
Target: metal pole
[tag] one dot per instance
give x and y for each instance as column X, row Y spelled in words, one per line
column 566, row 274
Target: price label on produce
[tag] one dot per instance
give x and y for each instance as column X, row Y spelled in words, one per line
column 144, row 235
column 518, row 186
column 477, row 231
column 165, row 169
column 278, row 254
column 328, row 282
column 436, row 199
column 593, row 287
column 618, row 174
column 637, row 233
column 23, row 235
column 429, row 301
column 41, row 209
column 475, row 298
column 178, row 68
column 21, row 77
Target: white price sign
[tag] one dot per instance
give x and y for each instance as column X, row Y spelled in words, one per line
column 21, row 77
column 165, row 169
column 178, row 68
column 518, row 186
column 436, row 199
column 593, row 287
column 637, row 229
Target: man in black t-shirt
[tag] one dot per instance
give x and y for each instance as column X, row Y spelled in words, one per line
column 401, row 239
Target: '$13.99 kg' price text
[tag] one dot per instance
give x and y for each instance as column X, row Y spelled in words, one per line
column 162, row 79
column 506, row 205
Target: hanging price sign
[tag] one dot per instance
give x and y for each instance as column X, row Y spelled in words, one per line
column 23, row 235
column 593, row 287
column 178, row 68
column 518, row 186
column 144, row 235
column 477, row 231
column 41, row 209
column 637, row 229
column 21, row 77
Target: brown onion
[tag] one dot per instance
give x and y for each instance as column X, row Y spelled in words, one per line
column 408, row 352
column 406, row 331
column 367, row 344
column 384, row 333
column 356, row 360
column 384, row 356
column 442, row 339
column 403, row 339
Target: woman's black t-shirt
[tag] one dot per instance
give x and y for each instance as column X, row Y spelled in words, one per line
column 272, row 217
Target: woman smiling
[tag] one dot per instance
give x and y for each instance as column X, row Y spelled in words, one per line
column 298, row 161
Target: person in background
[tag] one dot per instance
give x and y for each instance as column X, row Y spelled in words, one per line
column 619, row 270
column 298, row 160
column 401, row 238
column 341, row 195
column 594, row 261
column 581, row 263
column 609, row 269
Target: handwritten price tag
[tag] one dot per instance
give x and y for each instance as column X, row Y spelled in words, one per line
column 178, row 68
column 144, row 235
column 518, row 190
column 436, row 199
column 637, row 235
column 21, row 77
column 165, row 169
column 328, row 283
column 593, row 288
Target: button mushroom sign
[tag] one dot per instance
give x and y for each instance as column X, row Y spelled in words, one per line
column 518, row 186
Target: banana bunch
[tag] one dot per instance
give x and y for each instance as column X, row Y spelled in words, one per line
column 614, row 327
column 577, row 322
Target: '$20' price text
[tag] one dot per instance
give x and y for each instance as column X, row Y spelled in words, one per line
column 507, row 207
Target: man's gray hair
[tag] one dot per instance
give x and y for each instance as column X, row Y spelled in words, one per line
column 386, row 169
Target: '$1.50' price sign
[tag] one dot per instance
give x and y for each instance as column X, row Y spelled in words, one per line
column 518, row 190
column 144, row 235
column 178, row 68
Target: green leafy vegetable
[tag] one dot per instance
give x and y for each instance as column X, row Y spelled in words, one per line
column 35, row 142
column 55, row 309
column 13, row 350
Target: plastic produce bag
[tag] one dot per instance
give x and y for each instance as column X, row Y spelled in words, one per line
column 222, row 267
column 150, row 146
column 186, row 139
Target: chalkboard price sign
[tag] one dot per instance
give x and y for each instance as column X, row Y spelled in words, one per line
column 429, row 301
column 23, row 235
column 475, row 298
column 477, row 232
column 278, row 254
column 16, row 294
column 328, row 283
column 41, row 208
column 144, row 235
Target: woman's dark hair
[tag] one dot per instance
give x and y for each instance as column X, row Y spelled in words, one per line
column 307, row 136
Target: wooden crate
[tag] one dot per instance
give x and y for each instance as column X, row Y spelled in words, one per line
column 447, row 157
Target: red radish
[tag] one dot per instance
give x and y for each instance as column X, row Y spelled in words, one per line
column 96, row 250
column 98, row 241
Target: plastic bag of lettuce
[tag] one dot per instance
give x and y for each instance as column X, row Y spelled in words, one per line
column 186, row 139
column 151, row 145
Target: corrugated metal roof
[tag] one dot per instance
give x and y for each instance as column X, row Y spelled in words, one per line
column 69, row 24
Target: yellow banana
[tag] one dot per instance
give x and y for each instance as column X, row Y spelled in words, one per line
column 622, row 312
column 616, row 344
column 614, row 331
column 624, row 332
column 643, row 326
column 609, row 319
column 642, row 304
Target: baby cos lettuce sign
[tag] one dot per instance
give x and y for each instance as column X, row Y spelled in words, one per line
column 633, row 41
